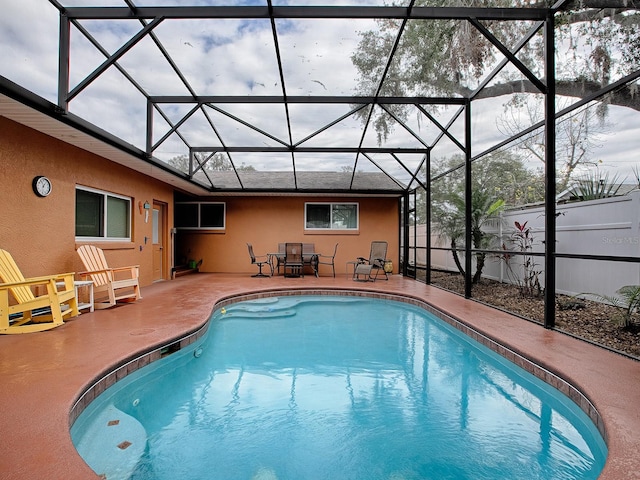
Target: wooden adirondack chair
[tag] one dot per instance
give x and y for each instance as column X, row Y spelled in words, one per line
column 109, row 284
column 23, row 312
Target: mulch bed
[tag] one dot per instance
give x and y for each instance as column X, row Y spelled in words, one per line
column 592, row 321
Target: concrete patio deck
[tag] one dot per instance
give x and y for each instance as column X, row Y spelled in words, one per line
column 44, row 374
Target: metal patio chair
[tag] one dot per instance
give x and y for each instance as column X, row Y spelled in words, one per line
column 329, row 260
column 369, row 269
column 257, row 260
column 293, row 261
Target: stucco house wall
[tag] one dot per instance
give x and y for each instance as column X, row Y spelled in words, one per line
column 265, row 221
column 40, row 232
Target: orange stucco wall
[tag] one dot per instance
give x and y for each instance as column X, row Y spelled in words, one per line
column 40, row 232
column 265, row 221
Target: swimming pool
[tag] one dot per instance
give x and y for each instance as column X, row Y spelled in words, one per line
column 335, row 387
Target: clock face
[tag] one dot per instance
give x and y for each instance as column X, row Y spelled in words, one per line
column 41, row 186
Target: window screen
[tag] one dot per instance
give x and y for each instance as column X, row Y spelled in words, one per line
column 331, row 216
column 101, row 215
column 200, row 215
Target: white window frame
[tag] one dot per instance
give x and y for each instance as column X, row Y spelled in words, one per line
column 104, row 213
column 331, row 227
column 199, row 227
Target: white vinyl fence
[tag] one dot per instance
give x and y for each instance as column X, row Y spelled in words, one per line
column 608, row 226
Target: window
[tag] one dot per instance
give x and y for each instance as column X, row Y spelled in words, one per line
column 331, row 216
column 200, row 215
column 102, row 215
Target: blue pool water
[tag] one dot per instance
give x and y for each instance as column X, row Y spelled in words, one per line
column 301, row 387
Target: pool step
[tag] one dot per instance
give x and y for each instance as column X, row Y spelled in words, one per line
column 113, row 443
column 257, row 314
column 271, row 307
column 263, row 301
column 260, row 308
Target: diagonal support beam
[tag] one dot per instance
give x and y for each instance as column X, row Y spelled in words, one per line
column 507, row 53
column 442, row 129
column 113, row 58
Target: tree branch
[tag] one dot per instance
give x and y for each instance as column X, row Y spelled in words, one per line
column 623, row 97
column 582, row 4
column 587, row 10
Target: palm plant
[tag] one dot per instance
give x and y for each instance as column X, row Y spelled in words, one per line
column 592, row 186
column 628, row 300
column 450, row 223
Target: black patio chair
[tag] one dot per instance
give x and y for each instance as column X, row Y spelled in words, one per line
column 255, row 260
column 293, row 261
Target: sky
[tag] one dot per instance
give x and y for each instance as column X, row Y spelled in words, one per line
column 237, row 57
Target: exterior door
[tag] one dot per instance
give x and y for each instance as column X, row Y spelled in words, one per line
column 158, row 236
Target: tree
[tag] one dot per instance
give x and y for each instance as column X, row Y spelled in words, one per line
column 450, row 223
column 218, row 162
column 577, row 135
column 450, row 57
column 501, row 172
column 498, row 179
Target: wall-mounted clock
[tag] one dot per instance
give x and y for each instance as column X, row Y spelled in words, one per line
column 41, row 186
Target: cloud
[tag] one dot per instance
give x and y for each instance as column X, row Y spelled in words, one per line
column 27, row 58
column 238, row 57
